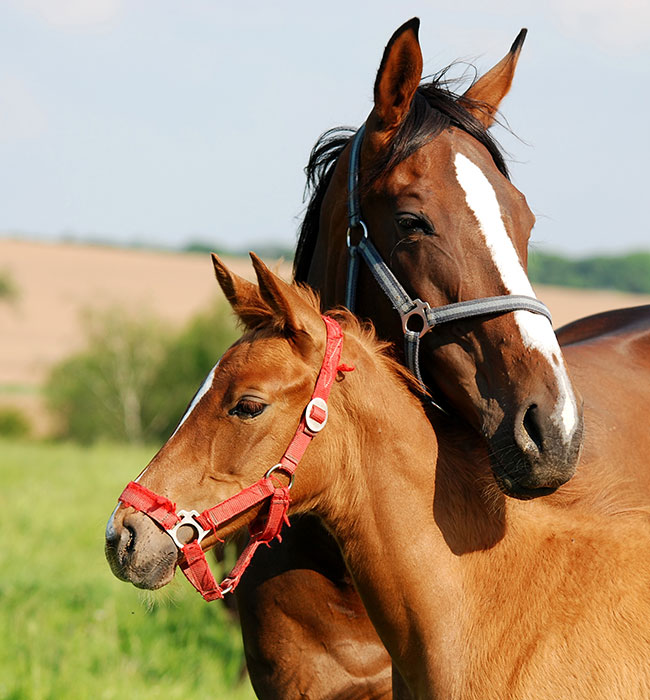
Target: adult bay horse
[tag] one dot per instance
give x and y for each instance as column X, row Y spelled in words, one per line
column 430, row 188
column 474, row 595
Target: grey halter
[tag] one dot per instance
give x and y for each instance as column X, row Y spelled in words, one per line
column 406, row 307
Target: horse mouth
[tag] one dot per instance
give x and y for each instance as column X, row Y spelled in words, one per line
column 510, row 487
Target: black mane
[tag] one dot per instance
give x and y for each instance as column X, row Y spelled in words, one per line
column 434, row 108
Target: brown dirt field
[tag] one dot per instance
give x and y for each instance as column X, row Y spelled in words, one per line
column 57, row 281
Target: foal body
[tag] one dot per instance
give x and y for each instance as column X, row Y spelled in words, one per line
column 474, row 595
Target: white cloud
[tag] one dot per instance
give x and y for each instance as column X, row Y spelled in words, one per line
column 74, row 13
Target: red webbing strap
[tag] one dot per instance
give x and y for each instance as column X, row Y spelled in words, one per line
column 197, row 571
column 274, row 520
column 158, row 508
column 326, row 377
column 213, row 518
column 241, row 565
column 195, row 565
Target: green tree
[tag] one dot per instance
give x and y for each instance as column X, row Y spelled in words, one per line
column 134, row 378
column 99, row 392
column 188, row 359
column 628, row 273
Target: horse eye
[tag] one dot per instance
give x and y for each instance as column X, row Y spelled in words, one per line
column 410, row 223
column 247, row 408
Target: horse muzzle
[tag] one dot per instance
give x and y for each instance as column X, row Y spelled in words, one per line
column 138, row 551
column 533, row 457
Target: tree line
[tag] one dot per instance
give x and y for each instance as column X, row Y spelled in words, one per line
column 627, row 273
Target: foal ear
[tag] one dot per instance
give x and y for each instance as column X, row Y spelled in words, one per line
column 296, row 315
column 398, row 77
column 482, row 100
column 240, row 292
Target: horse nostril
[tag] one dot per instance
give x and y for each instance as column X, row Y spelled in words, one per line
column 129, row 540
column 532, row 428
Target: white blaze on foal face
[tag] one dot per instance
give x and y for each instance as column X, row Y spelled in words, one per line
column 203, row 390
column 536, row 331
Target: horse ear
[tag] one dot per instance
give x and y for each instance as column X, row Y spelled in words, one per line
column 482, row 100
column 296, row 315
column 240, row 293
column 398, row 77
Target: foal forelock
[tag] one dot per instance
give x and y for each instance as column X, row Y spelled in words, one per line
column 535, row 330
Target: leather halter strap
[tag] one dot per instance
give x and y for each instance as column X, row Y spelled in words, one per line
column 264, row 528
column 406, row 307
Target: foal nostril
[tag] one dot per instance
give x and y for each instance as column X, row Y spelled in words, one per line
column 532, row 431
column 129, row 538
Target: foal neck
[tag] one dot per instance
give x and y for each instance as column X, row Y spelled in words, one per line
column 468, row 590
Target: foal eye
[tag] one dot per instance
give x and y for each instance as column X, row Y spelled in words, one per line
column 247, row 408
column 410, row 223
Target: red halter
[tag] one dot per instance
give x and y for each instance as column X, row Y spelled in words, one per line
column 263, row 529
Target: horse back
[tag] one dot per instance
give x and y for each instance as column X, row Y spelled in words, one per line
column 632, row 323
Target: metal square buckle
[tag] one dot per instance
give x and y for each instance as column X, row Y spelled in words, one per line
column 187, row 517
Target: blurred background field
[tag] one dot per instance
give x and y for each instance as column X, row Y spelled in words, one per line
column 69, row 629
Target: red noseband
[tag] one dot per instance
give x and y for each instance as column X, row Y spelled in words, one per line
column 263, row 529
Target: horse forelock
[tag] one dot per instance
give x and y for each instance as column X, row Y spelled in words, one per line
column 435, row 108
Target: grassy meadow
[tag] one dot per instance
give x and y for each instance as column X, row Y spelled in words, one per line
column 69, row 629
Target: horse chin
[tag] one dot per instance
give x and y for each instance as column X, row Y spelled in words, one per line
column 510, row 487
column 526, row 479
column 138, row 552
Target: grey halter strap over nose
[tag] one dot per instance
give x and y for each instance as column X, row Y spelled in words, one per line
column 410, row 309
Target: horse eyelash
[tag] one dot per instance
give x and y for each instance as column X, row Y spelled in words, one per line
column 258, row 408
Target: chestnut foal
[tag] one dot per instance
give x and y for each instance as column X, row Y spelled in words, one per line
column 474, row 595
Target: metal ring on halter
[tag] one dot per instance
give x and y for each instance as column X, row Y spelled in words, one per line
column 365, row 235
column 282, row 468
column 187, row 517
column 420, row 310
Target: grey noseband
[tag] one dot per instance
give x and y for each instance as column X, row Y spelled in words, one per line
column 408, row 308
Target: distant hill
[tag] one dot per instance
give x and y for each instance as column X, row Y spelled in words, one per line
column 627, row 273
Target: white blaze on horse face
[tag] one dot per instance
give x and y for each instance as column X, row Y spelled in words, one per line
column 203, row 390
column 536, row 330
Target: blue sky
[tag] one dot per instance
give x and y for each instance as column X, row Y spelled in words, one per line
column 163, row 121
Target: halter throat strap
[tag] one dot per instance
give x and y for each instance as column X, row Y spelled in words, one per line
column 263, row 529
column 417, row 316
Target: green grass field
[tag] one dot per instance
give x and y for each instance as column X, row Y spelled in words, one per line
column 68, row 628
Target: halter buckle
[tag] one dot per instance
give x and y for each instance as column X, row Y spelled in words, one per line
column 187, row 517
column 363, row 237
column 418, row 310
column 282, row 468
column 314, row 424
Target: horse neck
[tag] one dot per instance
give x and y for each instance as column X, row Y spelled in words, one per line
column 382, row 512
column 446, row 566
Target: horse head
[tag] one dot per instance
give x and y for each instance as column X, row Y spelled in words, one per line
column 436, row 201
column 232, row 436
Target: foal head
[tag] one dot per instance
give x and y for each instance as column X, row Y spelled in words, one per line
column 238, row 426
column 439, row 207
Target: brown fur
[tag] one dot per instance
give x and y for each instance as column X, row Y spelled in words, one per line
column 479, row 368
column 475, row 595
